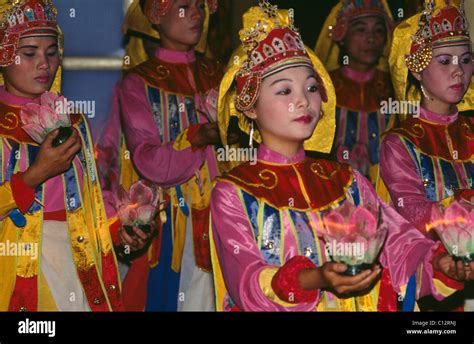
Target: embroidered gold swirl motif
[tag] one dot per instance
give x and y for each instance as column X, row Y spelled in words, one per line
column 262, row 174
column 162, row 71
column 9, row 121
column 418, row 130
column 467, row 131
column 320, row 171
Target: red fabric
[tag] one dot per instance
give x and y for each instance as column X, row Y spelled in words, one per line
column 114, row 232
column 111, row 281
column 93, row 289
column 134, row 287
column 156, row 72
column 451, row 283
column 431, row 138
column 24, row 295
column 323, row 175
column 362, row 96
column 154, row 258
column 464, row 194
column 286, row 283
column 192, row 132
column 23, row 194
column 235, row 308
column 387, row 300
column 202, row 249
column 59, row 215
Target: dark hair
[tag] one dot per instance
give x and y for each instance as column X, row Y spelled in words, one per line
column 142, row 4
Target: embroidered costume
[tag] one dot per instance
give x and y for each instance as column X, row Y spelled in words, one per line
column 159, row 106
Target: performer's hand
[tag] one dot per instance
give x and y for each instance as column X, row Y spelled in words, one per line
column 344, row 286
column 134, row 242
column 455, row 270
column 50, row 160
column 208, row 134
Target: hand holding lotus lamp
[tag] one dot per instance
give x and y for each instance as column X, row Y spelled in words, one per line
column 138, row 207
column 40, row 119
column 354, row 236
column 455, row 227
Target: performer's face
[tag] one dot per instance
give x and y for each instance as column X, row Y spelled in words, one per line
column 181, row 28
column 365, row 40
column 448, row 76
column 34, row 68
column 288, row 107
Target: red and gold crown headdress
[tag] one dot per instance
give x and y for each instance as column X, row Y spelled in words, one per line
column 23, row 18
column 268, row 52
column 437, row 27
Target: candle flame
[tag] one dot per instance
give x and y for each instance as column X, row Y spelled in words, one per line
column 441, row 222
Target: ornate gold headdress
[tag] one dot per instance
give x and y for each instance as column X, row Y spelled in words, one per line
column 270, row 43
column 447, row 26
column 20, row 18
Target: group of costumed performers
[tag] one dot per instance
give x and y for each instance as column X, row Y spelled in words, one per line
column 164, row 116
column 54, row 229
column 230, row 235
column 267, row 251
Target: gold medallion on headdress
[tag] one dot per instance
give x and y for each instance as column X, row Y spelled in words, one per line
column 447, row 26
column 271, row 43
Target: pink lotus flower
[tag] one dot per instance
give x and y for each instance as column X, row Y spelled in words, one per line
column 354, row 235
column 455, row 227
column 40, row 119
column 138, row 206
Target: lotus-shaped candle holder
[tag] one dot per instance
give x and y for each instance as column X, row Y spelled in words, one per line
column 455, row 227
column 137, row 207
column 354, row 236
column 40, row 119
